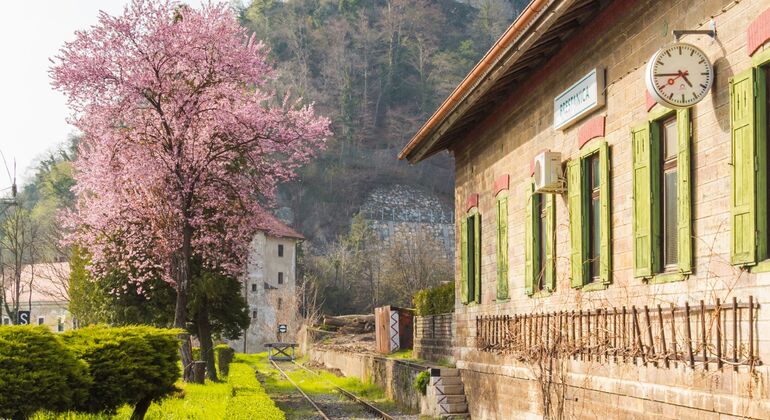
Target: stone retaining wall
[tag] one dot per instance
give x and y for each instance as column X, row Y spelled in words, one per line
column 394, row 376
column 433, row 337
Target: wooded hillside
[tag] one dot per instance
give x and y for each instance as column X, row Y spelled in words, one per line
column 377, row 68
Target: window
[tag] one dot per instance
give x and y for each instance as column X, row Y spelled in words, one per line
column 502, row 246
column 470, row 254
column 661, row 185
column 254, row 287
column 40, row 320
column 589, row 212
column 6, row 320
column 280, row 278
column 280, row 250
column 60, row 324
column 254, row 314
column 540, row 241
column 280, row 303
column 749, row 120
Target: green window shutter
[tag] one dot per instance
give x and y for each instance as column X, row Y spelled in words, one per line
column 742, row 126
column 576, row 222
column 477, row 257
column 550, row 244
column 760, row 121
column 684, row 189
column 464, row 260
column 502, row 248
column 605, row 259
column 642, row 177
column 529, row 239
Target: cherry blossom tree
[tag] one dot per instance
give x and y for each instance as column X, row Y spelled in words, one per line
column 183, row 140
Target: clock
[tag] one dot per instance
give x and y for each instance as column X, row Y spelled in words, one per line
column 679, row 75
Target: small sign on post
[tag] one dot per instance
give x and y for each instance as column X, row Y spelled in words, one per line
column 22, row 318
column 282, row 329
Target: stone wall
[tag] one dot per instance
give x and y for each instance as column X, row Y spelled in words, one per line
column 507, row 143
column 433, row 338
column 394, row 376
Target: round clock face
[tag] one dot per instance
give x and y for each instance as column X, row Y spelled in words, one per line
column 679, row 75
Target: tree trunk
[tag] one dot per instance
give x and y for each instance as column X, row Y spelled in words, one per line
column 141, row 408
column 207, row 344
column 180, row 314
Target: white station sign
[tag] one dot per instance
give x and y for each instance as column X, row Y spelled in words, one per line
column 582, row 98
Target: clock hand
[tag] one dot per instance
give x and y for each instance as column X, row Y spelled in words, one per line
column 684, row 76
column 666, row 74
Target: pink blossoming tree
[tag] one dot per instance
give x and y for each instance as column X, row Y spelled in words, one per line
column 183, row 138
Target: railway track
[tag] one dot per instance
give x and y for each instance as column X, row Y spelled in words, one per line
column 367, row 406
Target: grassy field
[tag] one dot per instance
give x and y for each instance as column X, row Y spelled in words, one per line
column 240, row 397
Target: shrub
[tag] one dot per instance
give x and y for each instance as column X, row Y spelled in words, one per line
column 421, row 382
column 128, row 365
column 196, row 353
column 224, row 355
column 250, row 401
column 37, row 372
column 436, row 300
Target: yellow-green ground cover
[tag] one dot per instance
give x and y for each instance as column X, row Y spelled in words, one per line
column 240, row 397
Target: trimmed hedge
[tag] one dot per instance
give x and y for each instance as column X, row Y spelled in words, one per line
column 128, row 365
column 435, row 301
column 224, row 356
column 249, row 401
column 38, row 372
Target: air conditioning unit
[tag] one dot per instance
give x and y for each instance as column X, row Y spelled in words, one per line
column 548, row 175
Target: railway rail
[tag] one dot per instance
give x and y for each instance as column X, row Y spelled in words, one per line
column 366, row 405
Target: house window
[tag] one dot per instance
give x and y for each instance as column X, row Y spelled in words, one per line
column 280, row 278
column 661, row 185
column 470, row 254
column 668, row 135
column 6, row 320
column 40, row 320
column 60, row 325
column 589, row 209
column 280, row 250
column 540, row 238
column 254, row 314
column 280, row 303
column 254, row 287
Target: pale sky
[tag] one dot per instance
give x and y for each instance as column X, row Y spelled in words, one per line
column 33, row 115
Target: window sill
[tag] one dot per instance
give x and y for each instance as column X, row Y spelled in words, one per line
column 666, row 278
column 541, row 294
column 506, row 300
column 762, row 267
column 594, row 287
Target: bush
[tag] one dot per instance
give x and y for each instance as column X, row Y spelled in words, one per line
column 435, row 301
column 128, row 365
column 224, row 355
column 37, row 372
column 250, row 401
column 421, row 382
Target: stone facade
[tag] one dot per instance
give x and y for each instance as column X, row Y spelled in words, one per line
column 270, row 288
column 499, row 386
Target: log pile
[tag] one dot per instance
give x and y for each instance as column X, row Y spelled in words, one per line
column 348, row 324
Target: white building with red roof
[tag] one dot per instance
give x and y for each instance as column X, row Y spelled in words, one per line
column 270, row 286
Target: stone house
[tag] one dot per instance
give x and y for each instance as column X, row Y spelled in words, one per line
column 270, row 286
column 44, row 295
column 638, row 290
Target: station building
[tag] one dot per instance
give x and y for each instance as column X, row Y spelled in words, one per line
column 639, row 286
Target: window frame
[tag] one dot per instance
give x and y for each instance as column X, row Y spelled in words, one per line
column 578, row 201
column 470, row 257
column 41, row 320
column 647, row 186
column 280, row 250
column 501, row 206
column 280, row 277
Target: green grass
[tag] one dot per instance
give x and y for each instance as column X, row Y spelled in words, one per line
column 241, row 397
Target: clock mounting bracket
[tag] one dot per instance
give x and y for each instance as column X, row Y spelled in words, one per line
column 712, row 32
